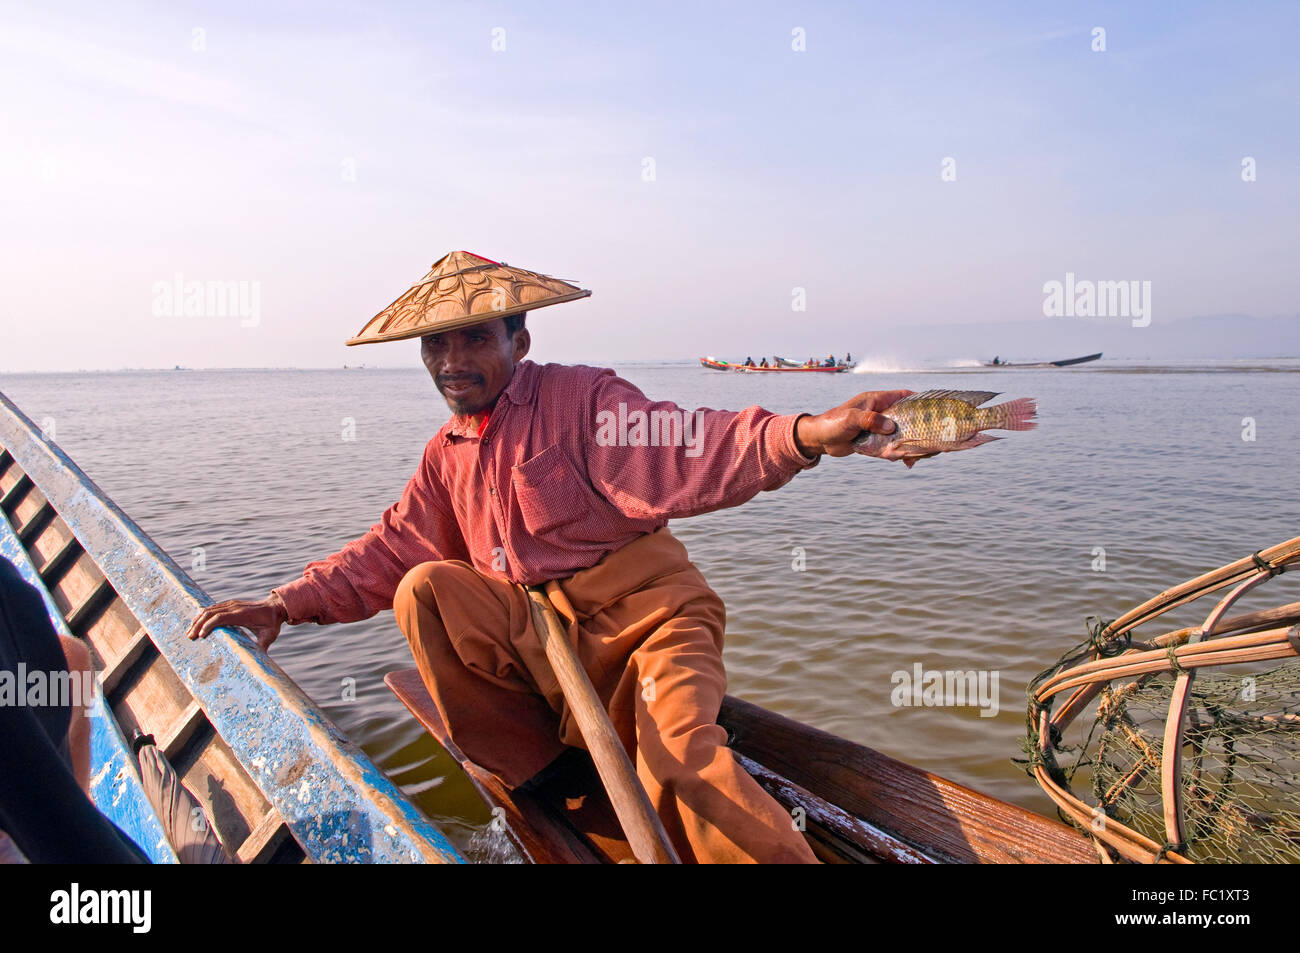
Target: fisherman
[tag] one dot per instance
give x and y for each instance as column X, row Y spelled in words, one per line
column 764, row 363
column 848, row 358
column 749, row 362
column 996, row 361
column 516, row 490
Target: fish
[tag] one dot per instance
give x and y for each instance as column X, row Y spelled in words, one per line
column 940, row 421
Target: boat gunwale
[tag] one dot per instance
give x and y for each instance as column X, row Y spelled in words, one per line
column 336, row 802
column 115, row 785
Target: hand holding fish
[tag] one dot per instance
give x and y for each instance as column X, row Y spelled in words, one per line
column 834, row 431
column 903, row 425
column 941, row 421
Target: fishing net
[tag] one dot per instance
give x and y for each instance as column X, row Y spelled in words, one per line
column 1192, row 754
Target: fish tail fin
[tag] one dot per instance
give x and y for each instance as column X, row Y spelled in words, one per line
column 1015, row 414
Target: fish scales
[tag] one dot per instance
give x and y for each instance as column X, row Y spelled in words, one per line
column 940, row 421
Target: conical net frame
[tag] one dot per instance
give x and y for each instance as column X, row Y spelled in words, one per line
column 1186, row 765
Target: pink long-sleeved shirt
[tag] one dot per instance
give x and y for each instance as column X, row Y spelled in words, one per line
column 574, row 462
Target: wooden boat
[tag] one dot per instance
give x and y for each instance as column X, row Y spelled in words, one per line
column 804, row 366
column 857, row 805
column 280, row 783
column 745, row 369
column 716, row 364
column 838, row 369
column 276, row 778
column 789, row 367
column 1066, row 363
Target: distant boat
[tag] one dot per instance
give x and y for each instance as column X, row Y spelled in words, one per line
column 1066, row 363
column 805, row 366
column 725, row 366
column 716, row 364
column 838, row 369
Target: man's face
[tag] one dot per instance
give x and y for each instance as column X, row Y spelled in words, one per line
column 472, row 366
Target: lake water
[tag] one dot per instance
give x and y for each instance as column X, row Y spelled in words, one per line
column 985, row 561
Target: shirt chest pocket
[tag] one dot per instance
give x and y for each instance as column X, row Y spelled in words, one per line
column 550, row 492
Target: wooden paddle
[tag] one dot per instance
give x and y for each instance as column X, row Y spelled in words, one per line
column 645, row 832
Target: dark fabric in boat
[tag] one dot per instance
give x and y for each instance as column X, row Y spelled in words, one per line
column 178, row 810
column 42, row 807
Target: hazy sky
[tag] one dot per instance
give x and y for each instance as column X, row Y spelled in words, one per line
column 327, row 153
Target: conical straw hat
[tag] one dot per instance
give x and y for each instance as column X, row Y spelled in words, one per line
column 463, row 289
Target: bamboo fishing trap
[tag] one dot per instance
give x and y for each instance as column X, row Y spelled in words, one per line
column 1193, row 754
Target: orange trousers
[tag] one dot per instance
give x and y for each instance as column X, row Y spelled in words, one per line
column 648, row 630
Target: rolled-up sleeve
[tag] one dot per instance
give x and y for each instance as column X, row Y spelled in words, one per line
column 362, row 577
column 655, row 460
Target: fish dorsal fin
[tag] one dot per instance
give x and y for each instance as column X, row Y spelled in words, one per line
column 972, row 397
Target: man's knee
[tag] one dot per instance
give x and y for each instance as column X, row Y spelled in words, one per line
column 415, row 592
column 711, row 612
column 706, row 610
column 409, row 590
column 424, row 584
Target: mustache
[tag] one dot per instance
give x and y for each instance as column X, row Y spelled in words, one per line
column 445, row 379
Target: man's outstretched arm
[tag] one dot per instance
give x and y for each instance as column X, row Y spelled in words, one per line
column 361, row 578
column 721, row 459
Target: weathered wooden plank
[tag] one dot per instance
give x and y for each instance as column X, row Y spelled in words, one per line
column 181, row 730
column 129, row 654
column 25, row 509
column 61, row 562
column 82, row 578
column 15, row 493
column 149, row 698
column 152, row 699
column 830, row 849
column 263, row 841
column 835, row 822
column 90, row 607
column 112, row 634
column 34, row 525
column 232, row 801
column 9, row 476
column 946, row 820
column 48, row 542
column 339, row 806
